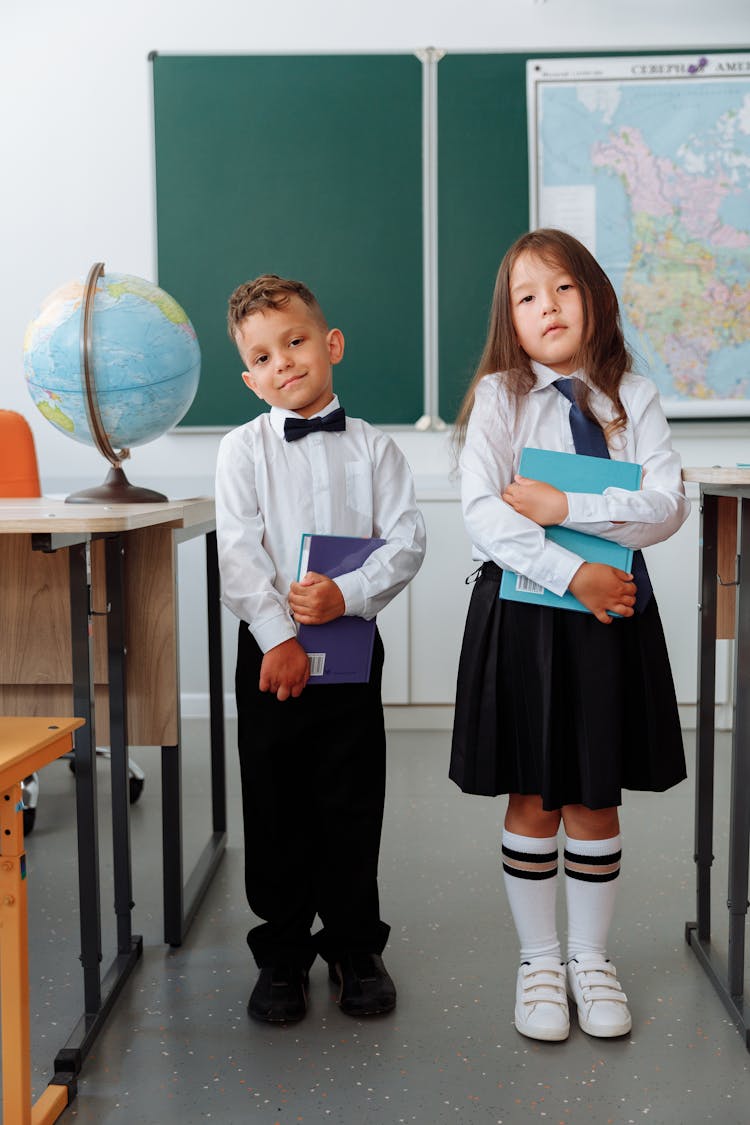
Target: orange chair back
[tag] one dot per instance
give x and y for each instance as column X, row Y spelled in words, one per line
column 19, row 473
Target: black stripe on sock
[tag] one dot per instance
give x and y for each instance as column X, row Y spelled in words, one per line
column 593, row 860
column 530, row 857
column 585, row 877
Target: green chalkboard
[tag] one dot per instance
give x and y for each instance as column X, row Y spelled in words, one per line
column 483, row 201
column 309, row 167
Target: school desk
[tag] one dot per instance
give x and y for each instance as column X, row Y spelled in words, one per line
column 25, row 745
column 724, row 611
column 88, row 602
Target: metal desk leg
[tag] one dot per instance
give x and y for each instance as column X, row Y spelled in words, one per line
column 118, row 720
column 86, row 799
column 739, row 818
column 728, row 983
column 216, row 688
column 704, row 754
column 99, row 996
column 181, row 901
column 171, row 840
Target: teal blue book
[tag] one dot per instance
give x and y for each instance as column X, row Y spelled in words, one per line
column 572, row 472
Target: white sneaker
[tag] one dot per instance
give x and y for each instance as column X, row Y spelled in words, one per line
column 541, row 1001
column 602, row 1005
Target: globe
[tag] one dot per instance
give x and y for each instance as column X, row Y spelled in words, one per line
column 112, row 361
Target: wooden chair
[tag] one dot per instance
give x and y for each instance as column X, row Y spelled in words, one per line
column 26, row 745
column 19, row 476
column 19, row 473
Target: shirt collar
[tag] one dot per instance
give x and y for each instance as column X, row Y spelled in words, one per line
column 545, row 376
column 277, row 415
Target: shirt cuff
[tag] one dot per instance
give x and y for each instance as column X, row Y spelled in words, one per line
column 587, row 507
column 556, row 568
column 274, row 632
column 355, row 600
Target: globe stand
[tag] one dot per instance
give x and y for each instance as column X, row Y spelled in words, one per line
column 116, row 489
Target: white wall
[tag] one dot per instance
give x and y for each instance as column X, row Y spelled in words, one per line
column 77, row 184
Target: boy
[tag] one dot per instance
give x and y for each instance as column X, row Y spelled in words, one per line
column 312, row 757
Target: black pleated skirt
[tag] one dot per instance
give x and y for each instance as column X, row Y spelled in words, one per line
column 553, row 702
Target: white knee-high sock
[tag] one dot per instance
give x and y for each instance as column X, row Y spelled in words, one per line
column 530, row 871
column 592, row 869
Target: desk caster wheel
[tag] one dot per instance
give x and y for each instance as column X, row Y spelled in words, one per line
column 136, row 776
column 29, row 800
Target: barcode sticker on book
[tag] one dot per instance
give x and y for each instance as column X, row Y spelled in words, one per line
column 317, row 663
column 524, row 585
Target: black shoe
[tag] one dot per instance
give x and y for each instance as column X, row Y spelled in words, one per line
column 280, row 995
column 366, row 989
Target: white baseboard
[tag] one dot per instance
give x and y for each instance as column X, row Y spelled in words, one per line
column 402, row 717
column 420, row 717
column 689, row 713
column 195, row 705
column 412, row 716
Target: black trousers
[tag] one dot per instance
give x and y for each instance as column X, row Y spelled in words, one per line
column 313, row 787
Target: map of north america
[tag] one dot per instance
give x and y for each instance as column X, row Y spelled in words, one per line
column 671, row 170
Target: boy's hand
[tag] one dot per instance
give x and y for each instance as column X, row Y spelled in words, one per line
column 601, row 588
column 285, row 670
column 315, row 599
column 538, row 501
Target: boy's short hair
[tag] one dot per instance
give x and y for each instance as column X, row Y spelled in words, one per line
column 269, row 291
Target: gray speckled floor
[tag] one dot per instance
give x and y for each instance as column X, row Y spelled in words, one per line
column 180, row 1048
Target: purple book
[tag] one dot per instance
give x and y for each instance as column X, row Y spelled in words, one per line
column 340, row 651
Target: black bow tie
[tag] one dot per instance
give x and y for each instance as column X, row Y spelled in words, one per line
column 296, row 428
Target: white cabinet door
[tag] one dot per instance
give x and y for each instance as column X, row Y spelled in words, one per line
column 438, row 600
column 673, row 568
column 393, row 624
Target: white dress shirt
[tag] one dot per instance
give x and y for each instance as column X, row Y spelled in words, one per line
column 270, row 491
column 499, row 428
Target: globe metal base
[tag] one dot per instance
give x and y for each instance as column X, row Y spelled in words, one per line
column 116, row 489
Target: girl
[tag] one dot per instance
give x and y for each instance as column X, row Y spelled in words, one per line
column 562, row 710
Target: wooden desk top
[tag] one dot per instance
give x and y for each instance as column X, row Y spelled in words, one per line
column 717, row 474
column 48, row 516
column 28, row 744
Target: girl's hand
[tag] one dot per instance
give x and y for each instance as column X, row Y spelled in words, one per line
column 538, row 501
column 601, row 588
column 315, row 599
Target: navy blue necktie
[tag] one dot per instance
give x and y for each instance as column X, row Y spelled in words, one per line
column 588, row 438
column 296, row 428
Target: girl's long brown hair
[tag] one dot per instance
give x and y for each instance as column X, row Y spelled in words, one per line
column 602, row 354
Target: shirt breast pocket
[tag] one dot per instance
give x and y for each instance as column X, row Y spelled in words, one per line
column 359, row 487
